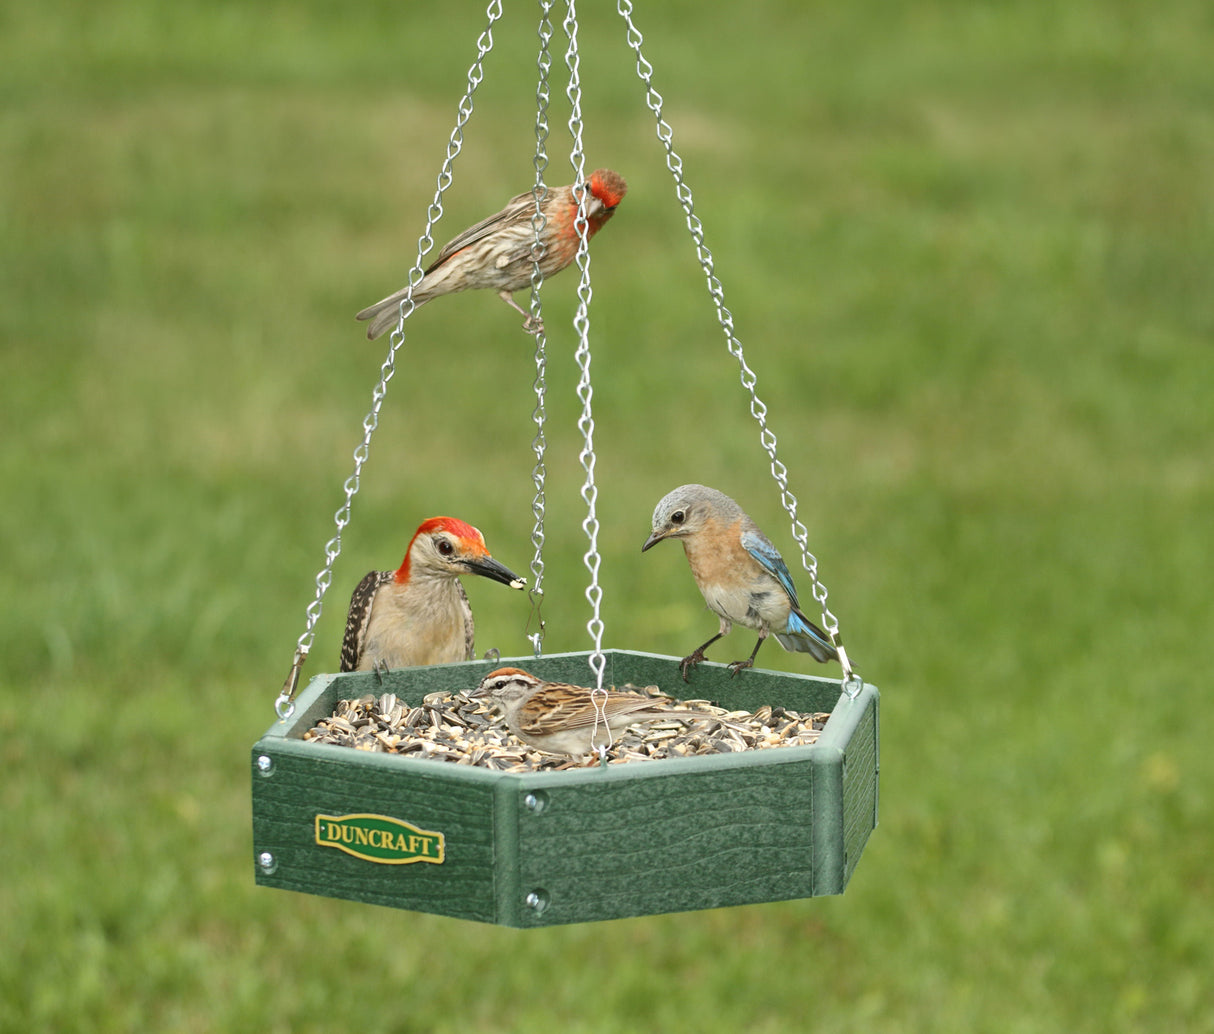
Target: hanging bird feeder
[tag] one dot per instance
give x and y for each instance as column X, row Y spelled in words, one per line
column 539, row 848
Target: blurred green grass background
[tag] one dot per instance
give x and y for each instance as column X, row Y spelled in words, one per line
column 968, row 248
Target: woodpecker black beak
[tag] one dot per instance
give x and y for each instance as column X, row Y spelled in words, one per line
column 489, row 568
column 653, row 540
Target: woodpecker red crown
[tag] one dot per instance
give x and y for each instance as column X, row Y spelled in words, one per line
column 472, row 540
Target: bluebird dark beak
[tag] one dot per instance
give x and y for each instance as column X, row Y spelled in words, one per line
column 653, row 540
column 489, row 568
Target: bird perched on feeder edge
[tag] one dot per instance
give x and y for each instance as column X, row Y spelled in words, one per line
column 496, row 252
column 741, row 575
column 561, row 718
column 419, row 613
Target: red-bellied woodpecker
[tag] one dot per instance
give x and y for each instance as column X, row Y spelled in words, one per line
column 419, row 613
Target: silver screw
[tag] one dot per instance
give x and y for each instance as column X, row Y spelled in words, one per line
column 267, row 862
column 265, row 764
column 536, row 802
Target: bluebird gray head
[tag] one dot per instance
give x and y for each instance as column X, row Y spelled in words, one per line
column 687, row 510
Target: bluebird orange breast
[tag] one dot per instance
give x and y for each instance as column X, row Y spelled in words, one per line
column 714, row 553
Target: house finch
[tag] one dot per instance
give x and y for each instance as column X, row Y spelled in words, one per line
column 496, row 252
column 561, row 718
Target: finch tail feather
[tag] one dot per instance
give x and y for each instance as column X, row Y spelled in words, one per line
column 386, row 313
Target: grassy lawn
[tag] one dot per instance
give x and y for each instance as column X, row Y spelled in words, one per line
column 968, row 249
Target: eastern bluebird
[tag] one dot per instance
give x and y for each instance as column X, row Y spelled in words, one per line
column 742, row 576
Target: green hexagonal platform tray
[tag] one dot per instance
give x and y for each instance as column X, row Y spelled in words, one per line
column 544, row 848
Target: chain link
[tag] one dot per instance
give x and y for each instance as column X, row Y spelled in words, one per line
column 581, row 323
column 283, row 705
column 749, row 380
column 539, row 445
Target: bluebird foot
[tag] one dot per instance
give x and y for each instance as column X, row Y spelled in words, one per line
column 690, row 661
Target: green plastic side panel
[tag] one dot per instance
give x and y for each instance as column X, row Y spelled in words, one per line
column 861, row 782
column 308, row 780
column 612, row 844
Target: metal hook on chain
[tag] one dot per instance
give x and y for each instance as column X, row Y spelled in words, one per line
column 284, row 705
column 598, row 697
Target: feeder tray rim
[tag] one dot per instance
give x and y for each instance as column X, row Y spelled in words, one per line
column 286, row 735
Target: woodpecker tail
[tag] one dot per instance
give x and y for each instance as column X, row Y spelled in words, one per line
column 801, row 635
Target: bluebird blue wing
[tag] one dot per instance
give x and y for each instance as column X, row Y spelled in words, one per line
column 759, row 546
column 803, row 636
column 800, row 634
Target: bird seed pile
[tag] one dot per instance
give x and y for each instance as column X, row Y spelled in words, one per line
column 449, row 727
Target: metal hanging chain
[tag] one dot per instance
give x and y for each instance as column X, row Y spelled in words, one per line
column 581, row 323
column 283, row 705
column 539, row 444
column 851, row 681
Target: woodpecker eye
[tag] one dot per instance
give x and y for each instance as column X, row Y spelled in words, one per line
column 678, row 517
column 445, row 548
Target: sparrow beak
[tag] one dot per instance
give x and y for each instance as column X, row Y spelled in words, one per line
column 489, row 568
column 653, row 540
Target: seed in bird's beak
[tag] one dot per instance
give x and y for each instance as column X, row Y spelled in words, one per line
column 487, row 567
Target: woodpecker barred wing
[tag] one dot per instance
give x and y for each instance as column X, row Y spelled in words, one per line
column 358, row 619
column 469, row 623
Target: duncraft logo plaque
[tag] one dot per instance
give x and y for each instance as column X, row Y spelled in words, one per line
column 380, row 839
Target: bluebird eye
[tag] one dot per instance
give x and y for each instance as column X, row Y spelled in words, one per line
column 445, row 548
column 678, row 517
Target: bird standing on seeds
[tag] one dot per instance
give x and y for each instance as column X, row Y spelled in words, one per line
column 562, row 719
column 419, row 614
column 742, row 576
column 496, row 252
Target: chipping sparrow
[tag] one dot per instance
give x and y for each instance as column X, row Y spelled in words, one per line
column 561, row 718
